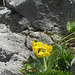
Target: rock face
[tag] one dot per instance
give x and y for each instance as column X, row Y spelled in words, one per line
column 38, row 36
column 44, row 14
column 28, row 5
column 25, row 20
column 73, row 65
column 15, row 22
column 11, row 45
column 3, row 12
column 4, row 29
column 44, row 24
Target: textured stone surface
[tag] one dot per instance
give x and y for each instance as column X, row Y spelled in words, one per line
column 28, row 5
column 37, row 10
column 38, row 36
column 44, row 24
column 56, row 37
column 30, row 20
column 3, row 12
column 10, row 44
column 4, row 29
column 73, row 65
column 12, row 53
column 11, row 67
column 15, row 22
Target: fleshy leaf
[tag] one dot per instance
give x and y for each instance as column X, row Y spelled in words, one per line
column 52, row 58
column 70, row 26
column 57, row 47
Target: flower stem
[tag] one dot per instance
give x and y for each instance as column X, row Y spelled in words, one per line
column 44, row 61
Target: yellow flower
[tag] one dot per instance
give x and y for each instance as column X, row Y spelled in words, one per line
column 41, row 50
column 35, row 50
column 45, row 46
column 45, row 54
column 39, row 44
column 39, row 55
column 49, row 49
column 32, row 43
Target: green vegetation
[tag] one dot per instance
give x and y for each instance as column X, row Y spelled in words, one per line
column 42, row 65
column 59, row 59
column 64, row 58
column 70, row 26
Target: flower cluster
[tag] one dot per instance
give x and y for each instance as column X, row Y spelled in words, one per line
column 40, row 49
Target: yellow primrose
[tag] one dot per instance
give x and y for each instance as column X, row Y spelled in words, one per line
column 32, row 43
column 39, row 55
column 49, row 49
column 45, row 46
column 45, row 54
column 39, row 44
column 41, row 50
column 35, row 50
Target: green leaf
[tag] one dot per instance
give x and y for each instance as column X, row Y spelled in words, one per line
column 40, row 60
column 70, row 48
column 23, row 72
column 31, row 60
column 57, row 47
column 63, row 47
column 52, row 58
column 70, row 26
column 37, row 66
column 60, row 35
column 28, row 67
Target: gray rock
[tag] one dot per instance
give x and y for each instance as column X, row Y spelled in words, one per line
column 38, row 36
column 37, row 10
column 25, row 32
column 73, row 10
column 73, row 14
column 73, row 65
column 26, row 53
column 73, row 51
column 3, row 12
column 10, row 43
column 13, row 66
column 20, row 23
column 17, row 57
column 4, row 29
column 4, row 69
column 12, row 53
column 44, row 24
column 15, row 22
column 28, row 5
column 56, row 37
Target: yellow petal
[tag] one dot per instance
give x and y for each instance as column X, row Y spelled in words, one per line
column 45, row 54
column 49, row 49
column 39, row 55
column 39, row 44
column 41, row 50
column 45, row 46
column 32, row 43
column 35, row 50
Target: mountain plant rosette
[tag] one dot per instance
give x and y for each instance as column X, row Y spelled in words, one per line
column 40, row 49
column 44, row 61
column 70, row 26
column 64, row 58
